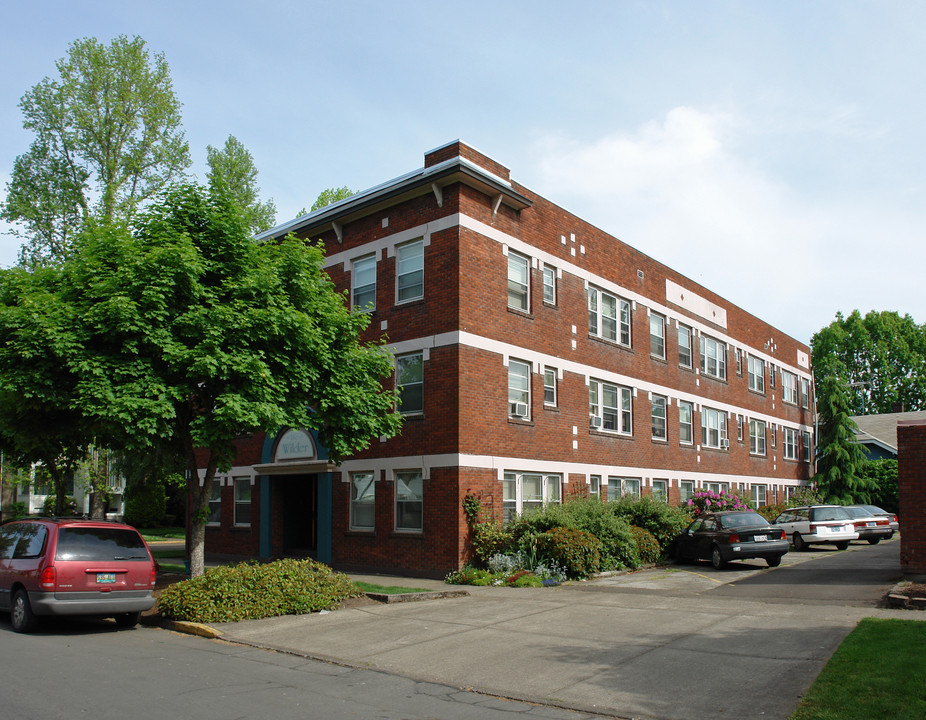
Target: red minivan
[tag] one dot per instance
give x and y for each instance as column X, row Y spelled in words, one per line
column 74, row 567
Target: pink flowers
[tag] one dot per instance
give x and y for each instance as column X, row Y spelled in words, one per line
column 709, row 501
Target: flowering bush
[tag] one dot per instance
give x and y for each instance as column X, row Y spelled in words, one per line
column 705, row 501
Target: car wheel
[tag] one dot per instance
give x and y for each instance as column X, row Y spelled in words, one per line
column 717, row 559
column 874, row 541
column 842, row 545
column 798, row 541
column 127, row 620
column 22, row 618
column 773, row 561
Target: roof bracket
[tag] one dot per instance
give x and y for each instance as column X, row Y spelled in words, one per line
column 496, row 201
column 339, row 231
column 439, row 194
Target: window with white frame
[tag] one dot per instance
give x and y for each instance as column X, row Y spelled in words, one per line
column 661, row 490
column 242, row 501
column 685, row 425
column 739, row 428
column 631, row 487
column 519, row 278
column 772, row 431
column 362, row 501
column 549, row 386
column 549, row 284
column 789, row 387
column 594, row 486
column 718, row 487
column 524, row 493
column 686, row 490
column 657, row 336
column 805, row 442
column 215, row 503
column 739, row 361
column 610, row 407
column 789, row 439
column 771, row 374
column 409, row 501
column 410, row 271
column 757, row 437
column 684, row 346
column 759, row 495
column 363, row 277
column 805, row 392
column 756, row 369
column 659, row 417
column 409, row 379
column 519, row 389
column 713, row 358
column 714, row 428
column 608, row 316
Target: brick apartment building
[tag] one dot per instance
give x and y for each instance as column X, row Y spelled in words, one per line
column 538, row 358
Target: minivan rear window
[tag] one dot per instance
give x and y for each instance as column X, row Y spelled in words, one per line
column 80, row 543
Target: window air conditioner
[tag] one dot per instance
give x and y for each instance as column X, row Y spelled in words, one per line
column 724, row 443
column 518, row 410
column 594, row 421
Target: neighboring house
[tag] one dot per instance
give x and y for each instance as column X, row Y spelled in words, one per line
column 538, row 358
column 878, row 433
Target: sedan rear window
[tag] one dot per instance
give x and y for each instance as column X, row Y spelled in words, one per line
column 100, row 544
column 743, row 520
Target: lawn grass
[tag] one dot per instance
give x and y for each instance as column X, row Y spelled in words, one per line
column 387, row 589
column 162, row 533
column 878, row 671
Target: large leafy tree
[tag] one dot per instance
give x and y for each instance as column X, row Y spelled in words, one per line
column 881, row 357
column 108, row 138
column 232, row 170
column 187, row 329
column 331, row 195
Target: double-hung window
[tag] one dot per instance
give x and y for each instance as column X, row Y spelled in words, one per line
column 661, row 490
column 242, row 501
column 805, row 393
column 805, row 442
column 549, row 284
column 657, row 336
column 409, row 501
column 685, row 427
column 363, row 276
column 789, row 443
column 594, row 486
column 618, row 487
column 713, row 358
column 215, row 503
column 519, row 389
column 757, row 437
column 362, row 501
column 523, row 493
column 756, row 374
column 759, row 495
column 713, row 428
column 684, row 346
column 789, row 387
column 608, row 316
column 519, row 279
column 610, row 407
column 659, row 417
column 549, row 386
column 410, row 271
column 685, row 490
column 409, row 379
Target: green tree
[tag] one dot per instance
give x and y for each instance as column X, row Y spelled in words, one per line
column 232, row 170
column 328, row 196
column 881, row 356
column 882, row 474
column 107, row 139
column 187, row 329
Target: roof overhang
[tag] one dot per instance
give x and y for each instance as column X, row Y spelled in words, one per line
column 304, row 467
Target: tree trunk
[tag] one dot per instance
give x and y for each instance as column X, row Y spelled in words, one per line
column 200, row 495
column 97, row 505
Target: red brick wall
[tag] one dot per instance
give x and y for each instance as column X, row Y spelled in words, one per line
column 911, row 466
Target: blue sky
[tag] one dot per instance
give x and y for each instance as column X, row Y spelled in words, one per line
column 772, row 151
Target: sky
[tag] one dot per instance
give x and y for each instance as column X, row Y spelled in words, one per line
column 771, row 151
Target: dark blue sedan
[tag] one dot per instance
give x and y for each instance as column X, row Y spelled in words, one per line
column 725, row 536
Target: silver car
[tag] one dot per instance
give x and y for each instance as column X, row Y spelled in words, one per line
column 817, row 524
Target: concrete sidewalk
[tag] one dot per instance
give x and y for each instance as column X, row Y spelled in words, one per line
column 678, row 653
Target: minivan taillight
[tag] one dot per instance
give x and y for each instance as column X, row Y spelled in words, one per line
column 154, row 575
column 47, row 578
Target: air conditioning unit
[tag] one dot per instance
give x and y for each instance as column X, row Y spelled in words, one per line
column 518, row 410
column 594, row 421
column 724, row 443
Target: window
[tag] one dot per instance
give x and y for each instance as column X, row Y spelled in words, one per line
column 805, row 392
column 657, row 336
column 789, row 387
column 686, row 490
column 685, row 429
column 772, row 430
column 362, row 501
column 549, row 386
column 519, row 273
column 756, row 374
column 594, row 486
column 739, row 361
column 628, row 486
column 713, row 358
column 684, row 346
column 242, row 501
column 713, row 428
column 608, row 316
column 409, row 379
column 805, row 442
column 519, row 389
column 523, row 493
column 549, row 285
column 659, row 417
column 363, row 275
column 609, row 407
column 409, row 501
column 759, row 495
column 771, row 374
column 215, row 503
column 789, row 443
column 757, row 437
column 718, row 487
column 661, row 490
column 410, row 271
column 739, row 428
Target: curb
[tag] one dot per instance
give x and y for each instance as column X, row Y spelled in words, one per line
column 191, row 628
column 896, row 598
column 415, row 597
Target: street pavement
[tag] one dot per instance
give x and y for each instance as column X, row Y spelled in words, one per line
column 659, row 643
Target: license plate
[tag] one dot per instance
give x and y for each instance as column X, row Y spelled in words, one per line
column 106, row 577
column 760, row 538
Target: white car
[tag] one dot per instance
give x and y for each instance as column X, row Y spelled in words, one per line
column 817, row 524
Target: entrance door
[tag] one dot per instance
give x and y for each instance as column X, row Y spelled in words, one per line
column 299, row 498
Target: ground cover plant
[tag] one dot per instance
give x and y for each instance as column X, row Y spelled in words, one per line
column 878, row 671
column 250, row 590
column 388, row 589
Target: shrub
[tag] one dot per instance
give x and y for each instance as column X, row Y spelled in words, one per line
column 146, row 505
column 468, row 575
column 577, row 551
column 770, row 512
column 507, row 564
column 524, row 579
column 705, row 501
column 648, row 548
column 18, row 510
column 663, row 521
column 70, row 506
column 251, row 590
